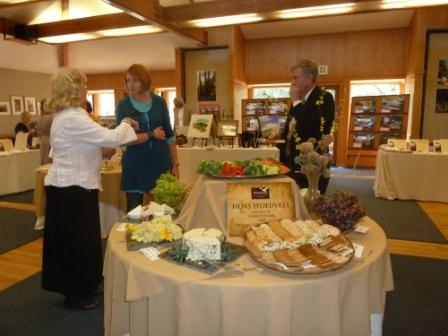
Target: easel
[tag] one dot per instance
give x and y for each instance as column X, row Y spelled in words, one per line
column 203, row 140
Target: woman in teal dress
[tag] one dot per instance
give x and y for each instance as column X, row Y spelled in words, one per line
column 154, row 152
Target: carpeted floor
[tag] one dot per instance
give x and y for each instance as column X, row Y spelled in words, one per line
column 16, row 228
column 418, row 305
column 23, row 197
column 27, row 310
column 399, row 219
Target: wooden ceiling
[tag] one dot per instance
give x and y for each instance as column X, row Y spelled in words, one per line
column 171, row 15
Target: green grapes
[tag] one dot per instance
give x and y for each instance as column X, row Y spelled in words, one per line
column 168, row 190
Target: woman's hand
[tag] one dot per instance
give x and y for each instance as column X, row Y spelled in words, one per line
column 159, row 133
column 175, row 170
column 108, row 152
column 132, row 122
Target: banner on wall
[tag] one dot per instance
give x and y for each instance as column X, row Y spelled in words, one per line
column 255, row 203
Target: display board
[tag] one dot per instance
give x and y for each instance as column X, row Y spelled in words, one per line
column 376, row 119
column 252, row 109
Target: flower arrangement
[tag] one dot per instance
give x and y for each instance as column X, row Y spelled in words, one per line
column 342, row 210
column 157, row 230
column 314, row 156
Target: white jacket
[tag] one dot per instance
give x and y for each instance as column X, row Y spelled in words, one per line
column 76, row 142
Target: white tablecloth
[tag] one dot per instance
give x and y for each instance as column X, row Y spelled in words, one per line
column 190, row 158
column 145, row 297
column 17, row 171
column 417, row 175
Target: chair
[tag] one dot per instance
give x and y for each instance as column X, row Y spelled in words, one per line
column 398, row 143
column 441, row 145
column 7, row 144
column 419, row 145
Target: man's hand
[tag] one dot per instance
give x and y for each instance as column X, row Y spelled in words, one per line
column 108, row 152
column 132, row 122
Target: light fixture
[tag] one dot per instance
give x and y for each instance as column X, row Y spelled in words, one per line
column 68, row 38
column 316, row 11
column 389, row 4
column 138, row 30
column 130, row 31
column 226, row 20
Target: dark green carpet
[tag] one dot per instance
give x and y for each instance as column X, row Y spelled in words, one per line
column 27, row 310
column 399, row 219
column 23, row 197
column 418, row 305
column 16, row 228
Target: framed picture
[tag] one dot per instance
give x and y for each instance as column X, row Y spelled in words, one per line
column 250, row 123
column 271, row 125
column 392, row 104
column 17, row 105
column 442, row 76
column 30, row 105
column 363, row 140
column 364, row 104
column 206, row 85
column 278, row 106
column 442, row 101
column 391, row 123
column 363, row 122
column 227, row 128
column 200, row 126
column 254, row 106
column 5, row 108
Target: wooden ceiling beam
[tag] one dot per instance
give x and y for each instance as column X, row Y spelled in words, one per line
column 151, row 12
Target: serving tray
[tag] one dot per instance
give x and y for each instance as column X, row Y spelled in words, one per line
column 332, row 254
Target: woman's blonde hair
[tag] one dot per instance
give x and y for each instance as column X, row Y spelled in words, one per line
column 65, row 89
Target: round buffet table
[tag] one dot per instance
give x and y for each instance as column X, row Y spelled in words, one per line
column 144, row 297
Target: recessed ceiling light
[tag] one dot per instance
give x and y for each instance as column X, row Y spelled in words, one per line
column 226, row 20
column 389, row 4
column 316, row 11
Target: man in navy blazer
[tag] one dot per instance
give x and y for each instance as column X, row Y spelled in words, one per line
column 311, row 116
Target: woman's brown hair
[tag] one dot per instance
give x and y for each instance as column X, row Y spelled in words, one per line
column 140, row 72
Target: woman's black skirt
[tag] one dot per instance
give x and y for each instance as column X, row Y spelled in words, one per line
column 72, row 255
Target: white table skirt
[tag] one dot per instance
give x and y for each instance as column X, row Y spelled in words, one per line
column 190, row 157
column 17, row 171
column 417, row 175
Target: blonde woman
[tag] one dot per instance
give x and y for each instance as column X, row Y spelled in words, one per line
column 72, row 255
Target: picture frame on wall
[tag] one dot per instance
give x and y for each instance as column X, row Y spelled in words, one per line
column 5, row 108
column 16, row 105
column 30, row 105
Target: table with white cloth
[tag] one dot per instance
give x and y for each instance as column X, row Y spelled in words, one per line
column 144, row 297
column 190, row 157
column 405, row 175
column 112, row 201
column 17, row 170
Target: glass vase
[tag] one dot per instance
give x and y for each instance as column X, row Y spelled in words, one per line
column 312, row 194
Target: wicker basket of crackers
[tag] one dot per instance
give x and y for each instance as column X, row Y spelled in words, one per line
column 301, row 246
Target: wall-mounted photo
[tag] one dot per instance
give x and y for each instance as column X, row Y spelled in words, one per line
column 206, row 85
column 392, row 104
column 442, row 101
column 200, row 126
column 30, row 105
column 363, row 141
column 5, row 108
column 442, row 77
column 364, row 105
column 227, row 128
column 17, row 105
column 250, row 124
column 386, row 137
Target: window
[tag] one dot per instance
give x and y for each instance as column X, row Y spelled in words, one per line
column 270, row 92
column 168, row 94
column 376, row 87
column 103, row 102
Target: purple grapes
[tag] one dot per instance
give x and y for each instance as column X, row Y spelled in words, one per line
column 342, row 209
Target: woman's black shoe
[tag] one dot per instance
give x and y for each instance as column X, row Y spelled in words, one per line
column 85, row 303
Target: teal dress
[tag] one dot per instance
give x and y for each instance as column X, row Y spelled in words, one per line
column 143, row 163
